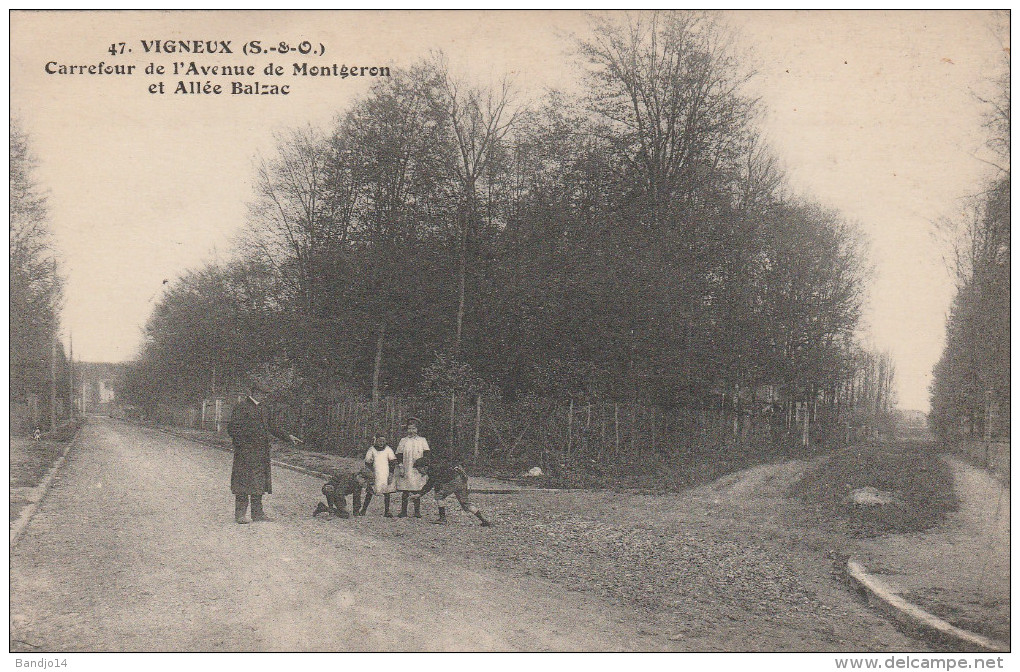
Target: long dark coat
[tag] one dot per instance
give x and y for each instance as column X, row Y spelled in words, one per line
column 250, row 431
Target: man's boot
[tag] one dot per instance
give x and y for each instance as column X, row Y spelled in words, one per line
column 257, row 514
column 442, row 516
column 403, row 506
column 417, row 507
column 485, row 523
column 240, row 508
column 386, row 506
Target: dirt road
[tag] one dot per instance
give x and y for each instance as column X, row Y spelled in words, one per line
column 959, row 570
column 135, row 549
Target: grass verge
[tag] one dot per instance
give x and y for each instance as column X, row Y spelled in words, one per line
column 31, row 460
column 920, row 485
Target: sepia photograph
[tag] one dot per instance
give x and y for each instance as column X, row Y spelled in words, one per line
column 435, row 331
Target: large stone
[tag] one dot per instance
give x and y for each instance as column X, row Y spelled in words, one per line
column 870, row 496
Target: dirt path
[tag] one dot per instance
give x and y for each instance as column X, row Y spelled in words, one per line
column 960, row 570
column 135, row 549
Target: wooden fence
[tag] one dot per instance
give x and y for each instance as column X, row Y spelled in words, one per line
column 548, row 433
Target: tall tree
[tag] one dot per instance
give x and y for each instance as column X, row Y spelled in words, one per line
column 300, row 224
column 405, row 172
column 670, row 88
column 479, row 118
column 972, row 378
column 36, row 288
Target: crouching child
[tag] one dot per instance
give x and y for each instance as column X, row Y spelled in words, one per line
column 446, row 480
column 338, row 487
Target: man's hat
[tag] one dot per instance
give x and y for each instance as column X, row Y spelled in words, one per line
column 412, row 421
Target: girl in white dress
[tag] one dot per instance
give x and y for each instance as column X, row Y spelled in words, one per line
column 409, row 480
column 381, row 459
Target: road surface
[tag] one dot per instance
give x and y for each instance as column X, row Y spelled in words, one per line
column 135, row 549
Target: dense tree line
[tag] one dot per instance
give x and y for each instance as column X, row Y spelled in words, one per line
column 36, row 288
column 972, row 379
column 635, row 242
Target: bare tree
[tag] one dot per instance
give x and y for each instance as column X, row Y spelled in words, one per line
column 479, row 119
column 302, row 213
column 670, row 88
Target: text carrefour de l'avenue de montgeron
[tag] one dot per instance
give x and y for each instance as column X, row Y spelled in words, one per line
column 210, row 82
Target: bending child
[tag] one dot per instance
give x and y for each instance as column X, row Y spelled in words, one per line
column 338, row 487
column 447, row 480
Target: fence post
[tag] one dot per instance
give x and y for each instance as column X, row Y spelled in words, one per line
column 587, row 432
column 478, row 423
column 654, row 412
column 988, row 427
column 570, row 427
column 341, row 423
column 807, row 424
column 453, row 423
column 633, row 426
column 602, row 426
column 616, row 419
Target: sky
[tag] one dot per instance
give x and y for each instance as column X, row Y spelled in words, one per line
column 871, row 113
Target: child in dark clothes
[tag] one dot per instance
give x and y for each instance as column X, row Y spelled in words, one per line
column 447, row 479
column 338, row 487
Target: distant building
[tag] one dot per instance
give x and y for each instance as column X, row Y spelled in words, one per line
column 99, row 383
column 106, row 393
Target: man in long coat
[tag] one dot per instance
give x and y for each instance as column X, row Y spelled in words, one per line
column 251, row 476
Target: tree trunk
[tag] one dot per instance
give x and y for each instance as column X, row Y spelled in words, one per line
column 461, row 282
column 462, row 271
column 378, row 365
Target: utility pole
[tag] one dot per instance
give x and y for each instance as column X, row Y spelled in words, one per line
column 70, row 381
column 53, row 361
